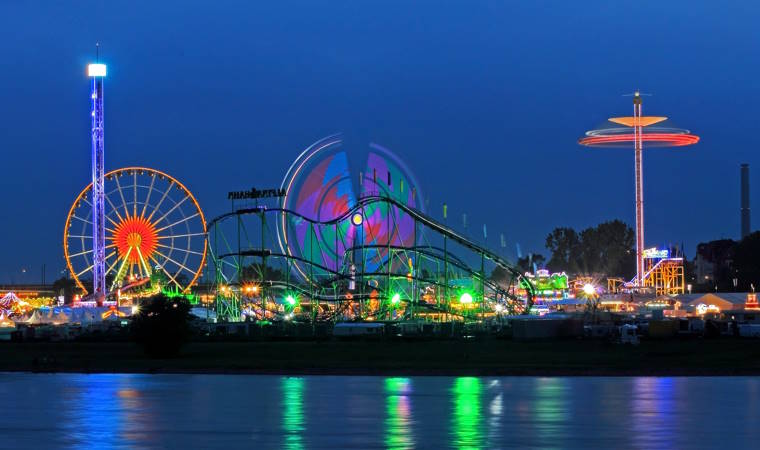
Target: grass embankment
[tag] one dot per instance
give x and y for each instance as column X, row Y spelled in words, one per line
column 486, row 357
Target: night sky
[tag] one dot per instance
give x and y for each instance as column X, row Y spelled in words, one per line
column 484, row 101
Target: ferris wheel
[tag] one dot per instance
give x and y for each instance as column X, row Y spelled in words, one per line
column 154, row 226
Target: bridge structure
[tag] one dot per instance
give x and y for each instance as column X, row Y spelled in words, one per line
column 346, row 238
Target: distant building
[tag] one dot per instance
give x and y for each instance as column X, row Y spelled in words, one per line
column 713, row 261
column 27, row 291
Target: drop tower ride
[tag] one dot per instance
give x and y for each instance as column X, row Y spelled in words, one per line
column 97, row 73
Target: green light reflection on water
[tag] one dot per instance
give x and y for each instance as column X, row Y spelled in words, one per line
column 398, row 424
column 467, row 416
column 550, row 404
column 292, row 412
column 551, row 416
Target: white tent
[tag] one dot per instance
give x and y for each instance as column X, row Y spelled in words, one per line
column 39, row 317
column 60, row 316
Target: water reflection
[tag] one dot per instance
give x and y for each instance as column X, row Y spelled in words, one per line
column 467, row 427
column 292, row 412
column 550, row 404
column 92, row 416
column 398, row 423
column 133, row 414
column 550, row 414
column 214, row 411
column 495, row 411
column 653, row 411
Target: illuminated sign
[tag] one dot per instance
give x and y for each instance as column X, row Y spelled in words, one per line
column 255, row 193
column 751, row 302
column 702, row 309
column 654, row 253
column 545, row 283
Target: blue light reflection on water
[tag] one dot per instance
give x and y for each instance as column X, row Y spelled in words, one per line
column 217, row 411
column 652, row 412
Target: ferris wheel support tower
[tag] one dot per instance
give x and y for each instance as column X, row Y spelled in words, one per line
column 97, row 72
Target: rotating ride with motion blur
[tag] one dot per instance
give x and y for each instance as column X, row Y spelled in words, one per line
column 154, row 231
column 663, row 275
column 349, row 239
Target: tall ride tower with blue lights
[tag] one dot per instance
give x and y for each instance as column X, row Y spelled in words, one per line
column 97, row 72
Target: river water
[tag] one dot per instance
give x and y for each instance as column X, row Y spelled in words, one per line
column 237, row 411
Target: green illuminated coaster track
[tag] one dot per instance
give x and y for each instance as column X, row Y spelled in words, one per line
column 379, row 259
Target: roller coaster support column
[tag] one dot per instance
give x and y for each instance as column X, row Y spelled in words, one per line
column 263, row 289
column 239, row 258
column 218, row 274
column 337, row 269
column 445, row 273
column 482, row 287
column 287, row 275
column 415, row 270
column 361, row 283
column 388, row 287
column 208, row 274
column 311, row 276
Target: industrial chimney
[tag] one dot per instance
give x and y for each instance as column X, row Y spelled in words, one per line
column 745, row 199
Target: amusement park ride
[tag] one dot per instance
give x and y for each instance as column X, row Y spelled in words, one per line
column 339, row 246
column 334, row 247
column 665, row 275
column 331, row 244
column 131, row 226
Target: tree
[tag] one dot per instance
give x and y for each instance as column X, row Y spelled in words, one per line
column 65, row 286
column 605, row 249
column 161, row 326
column 500, row 276
column 746, row 262
column 253, row 272
column 526, row 263
column 609, row 249
column 503, row 277
column 565, row 247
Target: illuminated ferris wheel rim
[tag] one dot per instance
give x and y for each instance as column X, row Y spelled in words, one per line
column 135, row 170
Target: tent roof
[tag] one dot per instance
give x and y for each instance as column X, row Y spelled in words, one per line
column 724, row 300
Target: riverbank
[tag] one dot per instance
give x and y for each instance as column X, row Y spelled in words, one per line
column 487, row 357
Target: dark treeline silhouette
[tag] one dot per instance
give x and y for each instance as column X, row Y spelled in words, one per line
column 162, row 325
column 606, row 249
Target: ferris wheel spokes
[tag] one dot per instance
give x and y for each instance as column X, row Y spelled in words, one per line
column 143, row 232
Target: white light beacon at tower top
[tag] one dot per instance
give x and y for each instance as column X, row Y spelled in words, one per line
column 97, row 73
column 96, row 70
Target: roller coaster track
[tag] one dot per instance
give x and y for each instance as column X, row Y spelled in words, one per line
column 338, row 274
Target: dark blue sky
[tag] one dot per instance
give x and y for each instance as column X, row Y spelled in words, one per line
column 484, row 100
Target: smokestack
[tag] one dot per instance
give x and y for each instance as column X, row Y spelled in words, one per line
column 745, row 199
